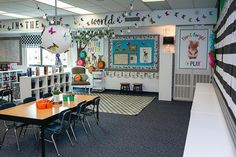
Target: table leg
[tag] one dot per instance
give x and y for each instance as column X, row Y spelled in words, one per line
column 97, row 113
column 42, row 142
column 11, row 96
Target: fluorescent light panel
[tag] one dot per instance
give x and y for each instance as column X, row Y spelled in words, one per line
column 65, row 6
column 14, row 15
column 153, row 0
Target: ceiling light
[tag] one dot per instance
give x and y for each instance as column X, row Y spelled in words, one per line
column 78, row 10
column 153, row 0
column 16, row 15
column 65, row 6
column 2, row 12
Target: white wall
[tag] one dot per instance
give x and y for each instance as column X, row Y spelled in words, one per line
column 150, row 85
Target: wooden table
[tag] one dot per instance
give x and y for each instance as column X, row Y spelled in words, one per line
column 30, row 114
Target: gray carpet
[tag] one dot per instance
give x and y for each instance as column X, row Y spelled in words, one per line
column 158, row 131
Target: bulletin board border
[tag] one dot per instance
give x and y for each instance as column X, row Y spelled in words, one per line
column 154, row 66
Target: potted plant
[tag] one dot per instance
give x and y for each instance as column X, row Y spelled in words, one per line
column 56, row 95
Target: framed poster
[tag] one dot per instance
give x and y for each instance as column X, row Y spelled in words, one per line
column 145, row 55
column 193, row 49
column 135, row 52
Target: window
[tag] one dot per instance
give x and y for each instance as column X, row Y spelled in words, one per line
column 33, row 56
column 39, row 56
column 50, row 58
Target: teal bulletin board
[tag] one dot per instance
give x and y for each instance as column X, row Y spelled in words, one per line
column 135, row 52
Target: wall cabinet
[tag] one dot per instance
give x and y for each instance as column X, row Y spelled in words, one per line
column 36, row 86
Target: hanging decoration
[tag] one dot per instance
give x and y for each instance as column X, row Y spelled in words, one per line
column 83, row 54
column 91, row 69
column 56, row 39
column 131, row 74
column 211, row 54
column 80, row 62
column 101, row 64
column 58, row 62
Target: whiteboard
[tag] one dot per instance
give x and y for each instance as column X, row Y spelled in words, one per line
column 10, row 50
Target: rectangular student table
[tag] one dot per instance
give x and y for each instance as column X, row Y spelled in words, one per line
column 30, row 114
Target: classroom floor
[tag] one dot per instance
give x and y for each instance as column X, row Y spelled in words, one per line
column 158, row 131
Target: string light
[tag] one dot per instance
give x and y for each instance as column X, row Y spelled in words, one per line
column 52, row 21
column 131, row 6
column 45, row 16
column 129, row 30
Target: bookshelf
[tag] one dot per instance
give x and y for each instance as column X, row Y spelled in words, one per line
column 36, row 86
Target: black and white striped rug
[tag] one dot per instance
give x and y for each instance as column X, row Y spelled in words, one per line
column 123, row 104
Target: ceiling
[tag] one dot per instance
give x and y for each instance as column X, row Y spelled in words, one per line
column 29, row 7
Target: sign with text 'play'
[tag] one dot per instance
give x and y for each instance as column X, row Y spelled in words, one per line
column 193, row 49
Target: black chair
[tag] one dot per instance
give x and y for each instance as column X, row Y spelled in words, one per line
column 46, row 95
column 5, row 93
column 11, row 125
column 31, row 127
column 29, row 99
column 91, row 109
column 58, row 127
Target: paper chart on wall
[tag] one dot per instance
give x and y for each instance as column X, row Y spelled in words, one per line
column 121, row 59
column 145, row 55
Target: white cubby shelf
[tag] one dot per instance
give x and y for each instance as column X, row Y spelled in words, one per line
column 36, row 86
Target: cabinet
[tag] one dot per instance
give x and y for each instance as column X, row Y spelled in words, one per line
column 36, row 86
column 9, row 77
column 98, row 81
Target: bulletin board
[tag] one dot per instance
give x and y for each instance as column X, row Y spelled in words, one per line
column 134, row 52
column 10, row 50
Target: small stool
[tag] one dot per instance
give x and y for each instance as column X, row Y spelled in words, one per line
column 124, row 87
column 137, row 87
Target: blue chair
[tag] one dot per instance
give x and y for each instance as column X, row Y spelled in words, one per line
column 11, row 125
column 46, row 95
column 58, row 127
column 75, row 117
column 29, row 99
column 91, row 109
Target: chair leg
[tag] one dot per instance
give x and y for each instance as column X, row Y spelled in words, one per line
column 96, row 118
column 88, row 124
column 21, row 131
column 3, row 138
column 82, row 121
column 17, row 141
column 68, row 135
column 35, row 133
column 25, row 130
column 72, row 130
column 55, row 145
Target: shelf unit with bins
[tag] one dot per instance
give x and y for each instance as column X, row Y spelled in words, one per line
column 9, row 77
column 98, row 81
column 36, row 86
